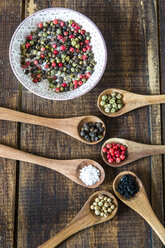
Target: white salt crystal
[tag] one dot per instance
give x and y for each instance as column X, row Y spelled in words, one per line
column 89, row 175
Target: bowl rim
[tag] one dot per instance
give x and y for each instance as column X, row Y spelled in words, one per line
column 46, row 97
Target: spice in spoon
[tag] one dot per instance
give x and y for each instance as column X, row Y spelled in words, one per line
column 89, row 175
column 103, row 205
column 114, row 153
column 92, row 131
column 128, row 186
column 112, row 103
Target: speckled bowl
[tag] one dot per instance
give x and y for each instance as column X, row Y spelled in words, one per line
column 29, row 24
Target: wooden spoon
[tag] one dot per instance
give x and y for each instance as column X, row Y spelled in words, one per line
column 141, row 205
column 131, row 101
column 135, row 151
column 70, row 126
column 85, row 218
column 69, row 168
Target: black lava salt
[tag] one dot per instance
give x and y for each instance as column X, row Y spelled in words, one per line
column 128, row 186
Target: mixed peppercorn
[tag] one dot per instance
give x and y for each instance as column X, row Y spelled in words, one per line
column 103, row 205
column 128, row 186
column 92, row 131
column 114, row 153
column 59, row 52
column 111, row 103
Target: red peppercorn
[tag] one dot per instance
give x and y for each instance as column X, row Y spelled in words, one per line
column 123, row 148
column 118, row 160
column 75, row 82
column 82, row 32
column 64, row 85
column 53, row 64
column 40, row 25
column 55, row 52
column 60, row 64
column 28, row 63
column 75, row 86
column 55, row 21
column 81, row 43
column 54, row 45
column 63, row 40
column 24, row 66
column 39, row 67
column 84, row 49
column 63, row 47
column 39, row 76
column 77, row 50
column 108, row 145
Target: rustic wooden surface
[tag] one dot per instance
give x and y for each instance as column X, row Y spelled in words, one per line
column 36, row 203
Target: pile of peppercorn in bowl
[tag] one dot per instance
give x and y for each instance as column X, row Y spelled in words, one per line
column 58, row 54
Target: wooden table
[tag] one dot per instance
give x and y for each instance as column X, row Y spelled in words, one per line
column 36, row 203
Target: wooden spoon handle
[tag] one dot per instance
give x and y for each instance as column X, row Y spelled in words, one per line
column 12, row 115
column 153, row 221
column 68, row 231
column 12, row 153
column 154, row 99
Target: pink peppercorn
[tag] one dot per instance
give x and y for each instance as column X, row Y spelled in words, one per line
column 57, row 90
column 30, row 37
column 42, row 56
column 42, row 49
column 80, row 83
column 104, row 149
column 53, row 64
column 35, row 80
column 88, row 74
column 35, row 62
column 28, row 45
column 60, row 64
column 75, row 86
column 88, row 47
column 73, row 24
column 63, row 47
column 71, row 36
column 28, row 63
column 55, row 52
column 75, row 82
column 55, row 21
column 77, row 27
column 84, row 57
column 64, row 85
column 59, row 37
column 71, row 49
column 54, row 45
column 113, row 153
column 40, row 25
column 66, row 33
column 81, row 76
column 87, row 41
column 84, row 49
column 62, row 24
column 46, row 66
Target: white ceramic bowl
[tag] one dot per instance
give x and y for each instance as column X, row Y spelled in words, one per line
column 30, row 24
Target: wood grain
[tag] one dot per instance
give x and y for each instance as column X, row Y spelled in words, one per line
column 10, row 17
column 47, row 200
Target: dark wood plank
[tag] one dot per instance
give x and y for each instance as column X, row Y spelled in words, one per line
column 10, row 17
column 48, row 201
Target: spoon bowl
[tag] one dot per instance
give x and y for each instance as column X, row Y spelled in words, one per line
column 69, row 168
column 86, row 119
column 135, row 151
column 94, row 164
column 70, row 126
column 131, row 101
column 84, row 219
column 141, row 204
